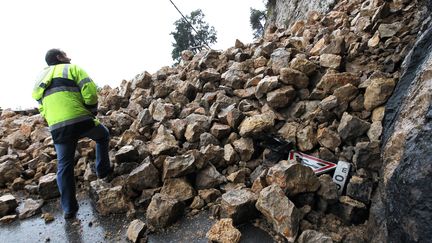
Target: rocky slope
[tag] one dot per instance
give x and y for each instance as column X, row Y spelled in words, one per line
column 192, row 137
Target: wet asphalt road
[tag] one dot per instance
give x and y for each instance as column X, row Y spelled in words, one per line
column 90, row 227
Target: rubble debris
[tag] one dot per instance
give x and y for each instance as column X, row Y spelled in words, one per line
column 192, row 135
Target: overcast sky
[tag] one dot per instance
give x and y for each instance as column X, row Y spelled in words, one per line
column 111, row 40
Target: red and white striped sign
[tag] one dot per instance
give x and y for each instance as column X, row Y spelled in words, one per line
column 319, row 166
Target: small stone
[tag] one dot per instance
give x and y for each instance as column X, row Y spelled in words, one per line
column 378, row 92
column 8, row 204
column 47, row 217
column 293, row 77
column 331, row 81
column 350, row 210
column 230, row 155
column 351, row 127
column 127, row 154
column 375, row 131
column 303, row 65
column 223, row 231
column 328, row 189
column 279, row 58
column 329, row 103
column 239, row 176
column 330, row 61
column 306, row 138
column 374, row 41
column 197, row 203
column 220, row 130
column 209, row 195
column 281, row 97
column 360, row 189
column 367, row 155
column 345, row 93
column 29, row 208
column 8, row 219
column 328, row 138
column 313, row 236
column 244, row 148
column 389, row 30
column 136, row 230
column 266, row 85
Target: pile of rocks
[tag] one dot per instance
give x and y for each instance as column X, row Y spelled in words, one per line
column 186, row 138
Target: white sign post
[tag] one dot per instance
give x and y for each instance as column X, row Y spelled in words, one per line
column 341, row 174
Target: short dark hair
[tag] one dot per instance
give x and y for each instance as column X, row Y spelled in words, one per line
column 51, row 56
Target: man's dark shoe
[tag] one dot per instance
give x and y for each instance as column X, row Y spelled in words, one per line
column 70, row 215
column 109, row 175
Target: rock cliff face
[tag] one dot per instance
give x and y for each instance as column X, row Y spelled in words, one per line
column 285, row 13
column 402, row 207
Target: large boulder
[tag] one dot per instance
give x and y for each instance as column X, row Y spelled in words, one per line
column 178, row 188
column 181, row 165
column 163, row 210
column 163, row 143
column 144, row 176
column 107, row 199
column 292, row 177
column 279, row 211
column 257, row 124
column 29, row 208
column 9, row 171
column 239, row 204
column 209, row 177
column 47, row 187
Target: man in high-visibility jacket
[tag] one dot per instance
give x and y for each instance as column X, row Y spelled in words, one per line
column 68, row 101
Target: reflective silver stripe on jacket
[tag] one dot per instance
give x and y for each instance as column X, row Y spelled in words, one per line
column 83, row 82
column 60, row 89
column 65, row 71
column 69, row 122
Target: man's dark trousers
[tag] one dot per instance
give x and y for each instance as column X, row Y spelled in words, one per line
column 65, row 166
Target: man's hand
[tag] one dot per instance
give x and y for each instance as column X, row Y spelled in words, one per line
column 92, row 109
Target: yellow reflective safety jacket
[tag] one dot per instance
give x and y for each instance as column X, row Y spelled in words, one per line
column 66, row 97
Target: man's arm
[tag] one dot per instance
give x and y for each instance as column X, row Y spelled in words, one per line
column 88, row 89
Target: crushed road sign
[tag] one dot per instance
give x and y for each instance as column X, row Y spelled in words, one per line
column 340, row 175
column 319, row 166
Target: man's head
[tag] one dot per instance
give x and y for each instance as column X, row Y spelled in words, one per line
column 56, row 56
